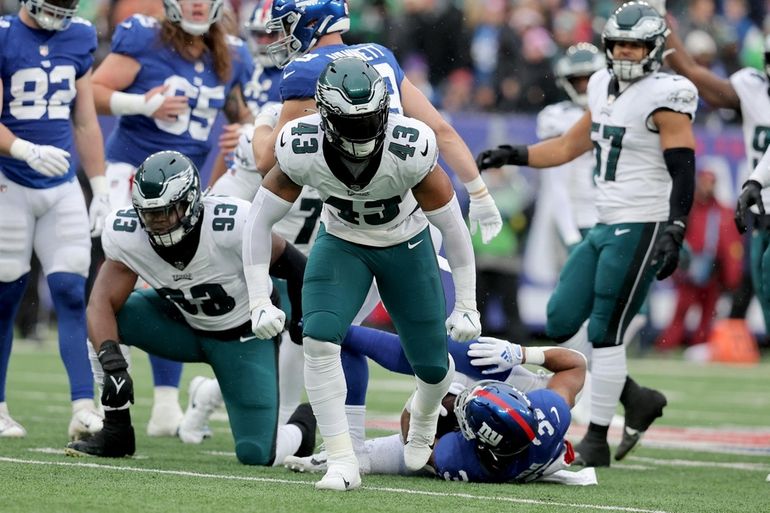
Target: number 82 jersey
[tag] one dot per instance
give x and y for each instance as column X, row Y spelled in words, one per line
column 377, row 208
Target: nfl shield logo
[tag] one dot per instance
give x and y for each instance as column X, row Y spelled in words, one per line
column 44, row 50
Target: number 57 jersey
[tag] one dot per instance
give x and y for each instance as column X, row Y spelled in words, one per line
column 633, row 184
column 376, row 208
column 210, row 291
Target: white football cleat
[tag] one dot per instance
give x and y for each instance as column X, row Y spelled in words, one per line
column 166, row 413
column 85, row 420
column 9, row 428
column 315, row 463
column 420, row 439
column 204, row 397
column 341, row 476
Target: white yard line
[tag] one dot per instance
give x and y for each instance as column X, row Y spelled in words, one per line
column 763, row 467
column 400, row 491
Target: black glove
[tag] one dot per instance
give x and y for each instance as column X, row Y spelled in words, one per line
column 118, row 388
column 666, row 252
column 503, row 155
column 751, row 195
column 295, row 330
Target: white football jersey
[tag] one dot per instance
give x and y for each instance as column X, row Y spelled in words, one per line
column 751, row 86
column 633, row 184
column 378, row 209
column 210, row 291
column 576, row 176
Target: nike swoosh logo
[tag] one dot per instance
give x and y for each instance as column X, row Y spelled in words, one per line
column 425, row 153
column 412, row 246
column 347, row 483
column 468, row 317
column 619, row 232
column 288, row 74
column 118, row 383
column 261, row 313
column 283, row 143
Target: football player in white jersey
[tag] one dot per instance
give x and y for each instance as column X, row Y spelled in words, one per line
column 377, row 174
column 639, row 121
column 748, row 92
column 188, row 249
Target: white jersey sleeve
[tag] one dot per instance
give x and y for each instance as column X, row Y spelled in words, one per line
column 556, row 119
column 671, row 92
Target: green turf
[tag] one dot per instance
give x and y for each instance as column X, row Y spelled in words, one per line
column 168, row 476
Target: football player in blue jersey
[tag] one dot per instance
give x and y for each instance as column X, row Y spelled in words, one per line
column 167, row 80
column 310, row 37
column 46, row 54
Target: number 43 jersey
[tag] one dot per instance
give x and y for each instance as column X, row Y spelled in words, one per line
column 210, row 291
column 377, row 208
column 633, row 184
column 39, row 69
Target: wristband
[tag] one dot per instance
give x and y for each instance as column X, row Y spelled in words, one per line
column 111, row 357
column 534, row 355
column 98, row 185
column 476, row 187
column 20, row 148
column 127, row 104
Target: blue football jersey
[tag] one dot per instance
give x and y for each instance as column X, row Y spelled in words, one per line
column 264, row 88
column 301, row 75
column 136, row 137
column 455, row 457
column 39, row 69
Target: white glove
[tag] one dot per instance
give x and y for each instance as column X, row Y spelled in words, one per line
column 483, row 212
column 463, row 324
column 490, row 351
column 46, row 160
column 658, row 5
column 100, row 204
column 267, row 320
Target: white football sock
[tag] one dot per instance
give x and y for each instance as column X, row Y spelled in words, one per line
column 326, row 390
column 291, row 381
column 427, row 399
column 287, row 441
column 386, row 455
column 608, row 373
column 357, row 425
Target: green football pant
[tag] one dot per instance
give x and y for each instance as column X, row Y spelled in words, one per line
column 338, row 276
column 760, row 270
column 246, row 370
column 606, row 280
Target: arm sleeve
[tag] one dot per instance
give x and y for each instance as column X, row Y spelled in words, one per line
column 265, row 211
column 680, row 163
column 459, row 251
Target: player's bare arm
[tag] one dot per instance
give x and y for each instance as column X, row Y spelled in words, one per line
column 263, row 147
column 675, row 129
column 281, row 185
column 435, row 190
column 717, row 91
column 112, row 287
column 88, row 134
column 569, row 368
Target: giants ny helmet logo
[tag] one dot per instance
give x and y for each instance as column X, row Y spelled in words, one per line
column 488, row 435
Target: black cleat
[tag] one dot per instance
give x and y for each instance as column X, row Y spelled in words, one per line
column 115, row 440
column 592, row 452
column 304, row 419
column 643, row 405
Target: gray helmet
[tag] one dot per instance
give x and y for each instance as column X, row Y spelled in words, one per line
column 52, row 14
column 639, row 22
column 354, row 103
column 580, row 60
column 166, row 194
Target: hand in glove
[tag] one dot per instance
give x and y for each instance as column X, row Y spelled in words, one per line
column 502, row 155
column 100, row 205
column 483, row 214
column 463, row 324
column 750, row 195
column 489, row 351
column 46, row 160
column 267, row 320
column 117, row 388
column 666, row 252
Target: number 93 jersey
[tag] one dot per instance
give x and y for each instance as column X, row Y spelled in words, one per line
column 138, row 136
column 455, row 458
column 210, row 291
column 377, row 208
column 39, row 69
column 633, row 184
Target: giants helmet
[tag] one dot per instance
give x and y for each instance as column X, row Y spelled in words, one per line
column 166, row 194
column 580, row 60
column 638, row 22
column 499, row 418
column 256, row 27
column 52, row 14
column 353, row 102
column 300, row 23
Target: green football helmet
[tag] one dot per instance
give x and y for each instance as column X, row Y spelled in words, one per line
column 580, row 60
column 166, row 194
column 639, row 22
column 354, row 103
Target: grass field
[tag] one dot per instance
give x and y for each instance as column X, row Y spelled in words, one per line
column 709, row 453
